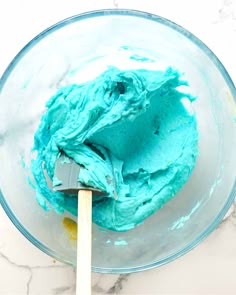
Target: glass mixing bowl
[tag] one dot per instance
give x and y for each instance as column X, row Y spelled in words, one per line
column 78, row 49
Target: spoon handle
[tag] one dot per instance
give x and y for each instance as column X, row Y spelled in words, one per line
column 84, row 243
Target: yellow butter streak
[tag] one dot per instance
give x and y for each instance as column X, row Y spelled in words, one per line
column 231, row 101
column 71, row 228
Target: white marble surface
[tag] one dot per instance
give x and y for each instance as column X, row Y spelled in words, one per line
column 208, row 269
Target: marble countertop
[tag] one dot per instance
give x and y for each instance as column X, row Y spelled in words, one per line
column 208, row 269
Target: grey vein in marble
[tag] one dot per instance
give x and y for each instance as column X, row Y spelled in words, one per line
column 115, row 288
column 118, row 286
column 30, row 269
column 63, row 289
column 115, row 3
column 227, row 11
column 26, row 267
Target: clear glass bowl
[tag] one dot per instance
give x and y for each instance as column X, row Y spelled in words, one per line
column 78, row 49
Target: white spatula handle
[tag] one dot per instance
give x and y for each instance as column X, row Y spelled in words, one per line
column 84, row 240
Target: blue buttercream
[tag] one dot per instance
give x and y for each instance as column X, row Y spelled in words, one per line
column 132, row 134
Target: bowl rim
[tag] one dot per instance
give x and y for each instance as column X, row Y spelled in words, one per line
column 199, row 44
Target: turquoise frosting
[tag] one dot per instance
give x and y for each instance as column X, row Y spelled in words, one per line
column 133, row 135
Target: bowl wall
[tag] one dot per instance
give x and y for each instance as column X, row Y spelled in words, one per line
column 77, row 50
